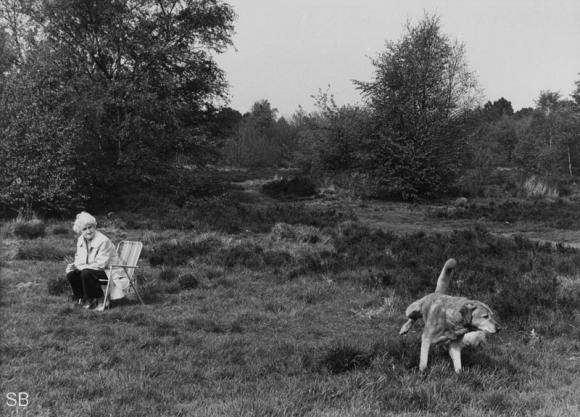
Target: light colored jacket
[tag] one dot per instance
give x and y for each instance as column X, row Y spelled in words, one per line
column 98, row 254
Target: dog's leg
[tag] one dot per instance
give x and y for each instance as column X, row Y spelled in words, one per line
column 407, row 326
column 425, row 345
column 455, row 353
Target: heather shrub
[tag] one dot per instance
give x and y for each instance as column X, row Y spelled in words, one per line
column 515, row 276
column 42, row 251
column 62, row 231
column 521, row 294
column 179, row 252
column 282, row 231
column 247, row 255
column 285, row 188
column 344, row 357
column 57, row 285
column 226, row 214
column 299, row 233
column 276, row 258
column 188, row 281
column 560, row 213
column 28, row 229
column 167, row 274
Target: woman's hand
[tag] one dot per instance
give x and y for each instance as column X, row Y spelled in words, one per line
column 70, row 268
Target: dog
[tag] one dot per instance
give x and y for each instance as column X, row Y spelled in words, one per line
column 458, row 320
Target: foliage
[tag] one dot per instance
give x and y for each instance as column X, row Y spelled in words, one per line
column 42, row 251
column 39, row 170
column 57, row 285
column 107, row 90
column 550, row 146
column 538, row 142
column 344, row 358
column 323, row 342
column 559, row 214
column 224, row 213
column 261, row 139
column 28, row 229
column 294, row 187
column 418, row 96
column 188, row 281
column 331, row 138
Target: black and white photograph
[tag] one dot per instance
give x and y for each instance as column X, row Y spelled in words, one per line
column 275, row 208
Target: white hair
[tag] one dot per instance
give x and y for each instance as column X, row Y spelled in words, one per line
column 83, row 219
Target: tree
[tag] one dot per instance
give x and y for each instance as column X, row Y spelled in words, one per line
column 137, row 79
column 576, row 94
column 39, row 166
column 261, row 138
column 551, row 145
column 420, row 91
column 331, row 138
column 498, row 109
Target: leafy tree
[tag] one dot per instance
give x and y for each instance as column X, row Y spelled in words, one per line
column 551, row 145
column 261, row 138
column 498, row 109
column 39, row 166
column 332, row 138
column 136, row 79
column 576, row 93
column 419, row 94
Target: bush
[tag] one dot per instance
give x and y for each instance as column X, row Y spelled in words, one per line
column 42, row 251
column 29, row 229
column 57, row 286
column 180, row 252
column 559, row 214
column 520, row 295
column 277, row 258
column 61, row 230
column 299, row 233
column 345, row 357
column 188, row 282
column 167, row 274
column 247, row 255
column 295, row 187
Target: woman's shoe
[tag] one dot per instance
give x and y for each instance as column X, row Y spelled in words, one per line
column 90, row 304
column 102, row 305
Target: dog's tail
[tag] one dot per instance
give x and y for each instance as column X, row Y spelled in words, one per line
column 445, row 276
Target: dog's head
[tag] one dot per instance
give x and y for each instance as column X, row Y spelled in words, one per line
column 479, row 316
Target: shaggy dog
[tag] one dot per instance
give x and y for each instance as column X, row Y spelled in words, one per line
column 457, row 320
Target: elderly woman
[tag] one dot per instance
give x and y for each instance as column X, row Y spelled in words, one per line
column 95, row 252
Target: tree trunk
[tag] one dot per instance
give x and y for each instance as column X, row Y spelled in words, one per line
column 569, row 162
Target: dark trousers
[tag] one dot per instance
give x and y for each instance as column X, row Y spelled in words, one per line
column 85, row 284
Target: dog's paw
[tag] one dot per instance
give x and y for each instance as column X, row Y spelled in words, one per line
column 474, row 339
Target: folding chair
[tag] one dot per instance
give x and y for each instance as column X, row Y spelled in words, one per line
column 128, row 253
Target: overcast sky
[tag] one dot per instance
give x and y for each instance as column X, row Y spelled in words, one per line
column 288, row 50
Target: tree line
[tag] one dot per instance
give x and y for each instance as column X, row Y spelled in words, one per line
column 423, row 131
column 97, row 97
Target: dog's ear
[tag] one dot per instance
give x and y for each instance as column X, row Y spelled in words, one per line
column 467, row 311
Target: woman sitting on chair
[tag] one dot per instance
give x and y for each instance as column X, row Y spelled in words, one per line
column 95, row 252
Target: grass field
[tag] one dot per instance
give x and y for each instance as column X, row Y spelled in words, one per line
column 292, row 320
